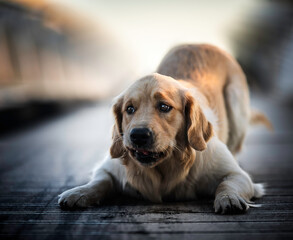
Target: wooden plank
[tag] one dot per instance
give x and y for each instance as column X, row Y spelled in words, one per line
column 221, row 227
column 42, row 217
column 283, row 207
column 19, row 199
column 146, row 236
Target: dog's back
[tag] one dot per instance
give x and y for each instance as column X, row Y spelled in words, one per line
column 220, row 78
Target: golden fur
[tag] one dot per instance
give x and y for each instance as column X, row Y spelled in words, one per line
column 206, row 126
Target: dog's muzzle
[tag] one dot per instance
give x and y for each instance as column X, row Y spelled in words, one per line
column 142, row 142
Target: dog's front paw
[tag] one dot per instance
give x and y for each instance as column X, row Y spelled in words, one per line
column 230, row 203
column 77, row 197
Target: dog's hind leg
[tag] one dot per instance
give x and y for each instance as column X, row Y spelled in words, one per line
column 238, row 107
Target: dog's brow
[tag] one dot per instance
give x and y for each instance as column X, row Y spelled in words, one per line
column 129, row 102
column 159, row 96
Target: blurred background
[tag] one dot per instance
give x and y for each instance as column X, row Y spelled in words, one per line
column 58, row 54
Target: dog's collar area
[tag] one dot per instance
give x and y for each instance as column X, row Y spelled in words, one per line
column 146, row 157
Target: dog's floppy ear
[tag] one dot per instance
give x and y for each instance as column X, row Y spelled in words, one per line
column 199, row 130
column 117, row 148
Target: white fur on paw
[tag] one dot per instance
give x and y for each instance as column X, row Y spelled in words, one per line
column 230, row 203
column 76, row 197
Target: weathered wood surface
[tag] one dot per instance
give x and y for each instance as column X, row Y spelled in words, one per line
column 40, row 162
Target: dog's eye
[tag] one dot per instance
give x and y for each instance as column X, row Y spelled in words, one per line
column 164, row 107
column 130, row 110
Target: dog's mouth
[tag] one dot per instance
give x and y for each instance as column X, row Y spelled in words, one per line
column 146, row 157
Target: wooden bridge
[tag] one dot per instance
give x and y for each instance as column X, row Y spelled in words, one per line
column 41, row 161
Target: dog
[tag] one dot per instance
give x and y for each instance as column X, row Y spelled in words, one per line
column 176, row 134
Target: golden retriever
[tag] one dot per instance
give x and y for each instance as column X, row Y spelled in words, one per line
column 176, row 133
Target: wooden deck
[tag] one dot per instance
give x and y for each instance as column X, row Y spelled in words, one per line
column 40, row 162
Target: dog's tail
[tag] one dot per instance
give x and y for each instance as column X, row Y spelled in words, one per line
column 259, row 190
column 258, row 117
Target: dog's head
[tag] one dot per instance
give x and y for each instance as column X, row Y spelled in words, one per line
column 156, row 117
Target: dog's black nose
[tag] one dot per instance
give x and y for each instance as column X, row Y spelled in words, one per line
column 141, row 137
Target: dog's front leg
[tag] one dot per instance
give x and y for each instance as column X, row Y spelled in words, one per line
column 236, row 188
column 101, row 186
column 234, row 193
column 88, row 194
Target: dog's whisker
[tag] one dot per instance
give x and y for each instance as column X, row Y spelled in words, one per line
column 177, row 148
column 117, row 139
